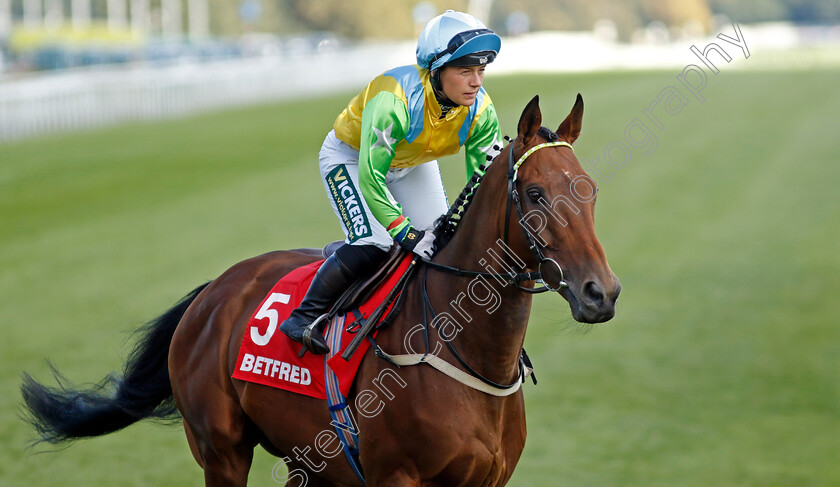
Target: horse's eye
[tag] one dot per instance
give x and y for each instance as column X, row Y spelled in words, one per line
column 535, row 194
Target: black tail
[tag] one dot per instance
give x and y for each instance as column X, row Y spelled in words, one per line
column 67, row 412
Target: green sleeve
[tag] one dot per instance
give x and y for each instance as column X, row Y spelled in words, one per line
column 384, row 124
column 484, row 137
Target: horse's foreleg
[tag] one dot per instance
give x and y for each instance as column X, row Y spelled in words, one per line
column 396, row 479
column 300, row 475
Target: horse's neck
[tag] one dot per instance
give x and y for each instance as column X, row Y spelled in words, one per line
column 492, row 312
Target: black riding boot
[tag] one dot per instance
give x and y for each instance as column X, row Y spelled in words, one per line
column 330, row 281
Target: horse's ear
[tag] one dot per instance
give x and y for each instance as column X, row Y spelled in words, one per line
column 530, row 120
column 570, row 128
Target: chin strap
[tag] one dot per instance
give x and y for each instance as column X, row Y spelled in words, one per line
column 445, row 103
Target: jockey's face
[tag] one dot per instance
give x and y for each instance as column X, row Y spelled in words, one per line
column 461, row 83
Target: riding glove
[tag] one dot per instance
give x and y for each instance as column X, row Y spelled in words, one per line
column 421, row 243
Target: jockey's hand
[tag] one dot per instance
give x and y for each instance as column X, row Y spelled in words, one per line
column 420, row 242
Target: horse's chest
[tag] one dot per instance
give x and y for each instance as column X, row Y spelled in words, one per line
column 459, row 443
column 431, row 428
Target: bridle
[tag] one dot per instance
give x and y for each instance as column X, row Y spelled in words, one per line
column 513, row 199
column 524, row 364
column 513, row 196
column 516, row 278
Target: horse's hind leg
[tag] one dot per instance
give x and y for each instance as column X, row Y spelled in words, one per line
column 221, row 436
column 193, row 445
column 227, row 466
column 201, row 360
column 223, row 445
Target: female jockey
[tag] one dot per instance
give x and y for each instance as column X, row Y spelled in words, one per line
column 379, row 163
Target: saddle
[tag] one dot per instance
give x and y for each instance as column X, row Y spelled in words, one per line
column 362, row 289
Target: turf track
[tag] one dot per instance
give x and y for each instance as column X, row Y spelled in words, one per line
column 721, row 367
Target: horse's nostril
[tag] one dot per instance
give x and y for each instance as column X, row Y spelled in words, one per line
column 593, row 293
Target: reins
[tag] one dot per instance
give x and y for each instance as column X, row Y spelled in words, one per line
column 513, row 277
column 472, row 378
column 427, row 306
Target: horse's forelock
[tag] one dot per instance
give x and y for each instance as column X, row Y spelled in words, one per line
column 548, row 134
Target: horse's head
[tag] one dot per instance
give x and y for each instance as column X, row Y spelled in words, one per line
column 556, row 200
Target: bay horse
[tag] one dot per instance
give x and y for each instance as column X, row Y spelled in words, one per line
column 416, row 426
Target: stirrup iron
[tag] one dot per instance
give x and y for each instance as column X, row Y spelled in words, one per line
column 306, row 338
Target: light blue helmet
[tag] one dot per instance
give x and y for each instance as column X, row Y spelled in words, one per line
column 456, row 38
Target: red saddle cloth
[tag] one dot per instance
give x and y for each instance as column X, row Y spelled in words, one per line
column 269, row 357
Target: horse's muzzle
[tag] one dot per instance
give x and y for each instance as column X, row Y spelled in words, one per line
column 593, row 301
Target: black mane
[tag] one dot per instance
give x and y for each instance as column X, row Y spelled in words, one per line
column 447, row 224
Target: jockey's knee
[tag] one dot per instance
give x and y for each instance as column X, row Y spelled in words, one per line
column 360, row 259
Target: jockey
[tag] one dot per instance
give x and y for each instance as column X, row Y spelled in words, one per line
column 379, row 163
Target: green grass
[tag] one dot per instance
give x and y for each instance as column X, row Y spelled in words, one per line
column 720, row 368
